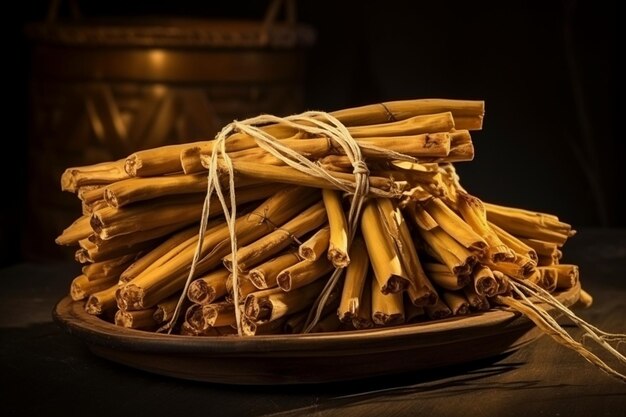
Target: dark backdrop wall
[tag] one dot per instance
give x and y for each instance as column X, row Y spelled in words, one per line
column 546, row 69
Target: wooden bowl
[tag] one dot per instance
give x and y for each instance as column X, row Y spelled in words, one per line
column 309, row 358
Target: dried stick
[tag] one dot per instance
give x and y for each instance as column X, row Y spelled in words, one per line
column 263, row 276
column 338, row 243
column 271, row 244
column 386, row 264
column 354, row 281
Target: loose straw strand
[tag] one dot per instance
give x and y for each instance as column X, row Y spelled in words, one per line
column 548, row 324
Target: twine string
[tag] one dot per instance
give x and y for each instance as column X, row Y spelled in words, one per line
column 312, row 122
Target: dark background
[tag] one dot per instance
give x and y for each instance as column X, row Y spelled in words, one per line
column 546, row 69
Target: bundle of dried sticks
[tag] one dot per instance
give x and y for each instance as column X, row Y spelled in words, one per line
column 425, row 250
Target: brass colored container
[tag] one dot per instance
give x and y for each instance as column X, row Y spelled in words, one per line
column 101, row 90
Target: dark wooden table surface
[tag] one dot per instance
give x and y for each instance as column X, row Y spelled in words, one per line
column 47, row 372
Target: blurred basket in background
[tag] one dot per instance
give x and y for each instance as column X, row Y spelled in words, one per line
column 101, row 89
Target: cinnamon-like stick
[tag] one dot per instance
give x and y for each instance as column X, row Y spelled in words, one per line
column 155, row 161
column 82, row 286
column 386, row 265
column 316, row 245
column 387, row 309
column 249, row 227
column 354, row 281
column 467, row 114
column 263, row 276
column 338, row 242
column 140, row 319
column 208, row 288
column 98, row 174
column 303, row 273
column 420, row 290
column 279, row 239
column 427, row 123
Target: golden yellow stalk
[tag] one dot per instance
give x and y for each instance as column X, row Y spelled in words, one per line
column 102, row 301
column 437, row 311
column 157, row 255
column 76, row 231
column 386, row 264
column 421, row 217
column 338, row 243
column 208, row 288
column 140, row 319
column 316, row 245
column 427, row 146
column 456, row 302
column 88, row 209
column 130, row 297
column 517, row 245
column 246, row 287
column 109, row 268
column 89, row 194
column 448, row 251
column 303, row 273
column 428, row 181
column 263, row 276
column 547, row 261
column 504, row 286
column 354, row 281
column 190, row 157
column 521, row 267
column 338, row 163
column 248, row 227
column 275, row 304
column 445, row 278
column 529, row 224
column 549, row 221
column 382, row 187
column 155, row 161
column 542, row 247
column 467, row 114
column 387, row 309
column 484, row 281
column 453, row 225
column 567, row 276
column 274, row 242
column 98, row 174
column 549, row 278
column 473, row 211
column 461, row 147
column 203, row 316
column 82, row 286
column 132, row 190
column 363, row 318
column 427, row 123
column 420, row 290
column 110, row 222
column 107, row 251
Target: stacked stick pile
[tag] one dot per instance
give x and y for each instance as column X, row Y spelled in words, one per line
column 425, row 249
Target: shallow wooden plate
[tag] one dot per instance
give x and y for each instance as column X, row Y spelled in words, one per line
column 310, row 358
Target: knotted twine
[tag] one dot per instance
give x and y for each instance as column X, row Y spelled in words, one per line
column 312, row 122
